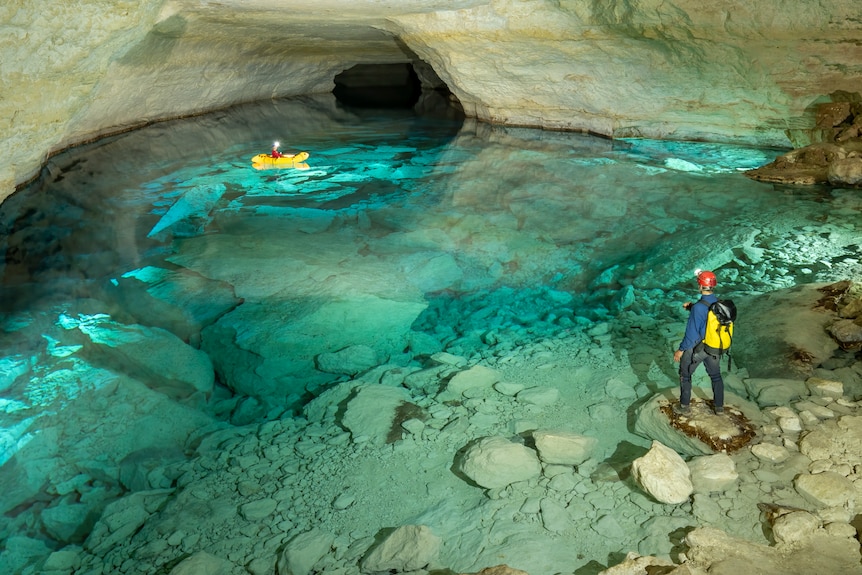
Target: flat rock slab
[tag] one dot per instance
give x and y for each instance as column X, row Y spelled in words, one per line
column 728, row 432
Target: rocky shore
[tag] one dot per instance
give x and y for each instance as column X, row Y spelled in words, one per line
column 831, row 153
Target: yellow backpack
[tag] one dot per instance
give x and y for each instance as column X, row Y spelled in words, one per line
column 719, row 326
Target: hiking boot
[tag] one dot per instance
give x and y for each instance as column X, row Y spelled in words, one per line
column 681, row 409
column 719, row 410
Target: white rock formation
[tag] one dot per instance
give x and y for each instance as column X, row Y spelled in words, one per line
column 302, row 552
column 814, row 552
column 496, row 462
column 370, row 414
column 713, row 473
column 827, row 489
column 563, row 447
column 408, row 548
column 477, row 376
column 681, row 70
column 663, row 474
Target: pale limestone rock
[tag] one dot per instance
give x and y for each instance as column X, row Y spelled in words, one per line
column 767, row 357
column 501, row 570
column 663, row 474
column 477, row 376
column 413, row 426
column 635, row 564
column 839, row 440
column 561, row 482
column 808, row 419
column 555, row 518
column 257, row 510
column 66, row 522
column 507, row 388
column 541, row 396
column 301, row 553
column 64, row 561
column 840, row 529
column 717, row 552
column 609, row 527
column 819, row 411
column 439, row 272
column 713, row 473
column 790, row 424
column 172, row 366
column 651, row 421
column 775, row 391
column 408, row 548
column 203, row 562
column 770, row 452
column 446, row 358
column 795, row 527
column 343, row 501
column 848, row 332
column 497, row 462
column 619, row 389
column 371, row 412
column 820, row 387
column 563, row 447
column 827, row 489
column 122, row 518
column 350, row 360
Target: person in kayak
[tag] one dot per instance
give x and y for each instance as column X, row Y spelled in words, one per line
column 275, row 153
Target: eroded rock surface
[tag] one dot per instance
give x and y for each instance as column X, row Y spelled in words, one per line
column 834, row 158
column 678, row 71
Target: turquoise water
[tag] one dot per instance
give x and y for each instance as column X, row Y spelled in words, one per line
column 156, row 285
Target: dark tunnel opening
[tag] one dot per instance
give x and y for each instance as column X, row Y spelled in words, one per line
column 390, row 86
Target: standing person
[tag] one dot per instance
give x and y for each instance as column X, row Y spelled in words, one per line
column 692, row 353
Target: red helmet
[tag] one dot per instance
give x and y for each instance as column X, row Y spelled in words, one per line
column 706, row 279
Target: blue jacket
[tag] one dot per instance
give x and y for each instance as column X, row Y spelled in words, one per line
column 695, row 329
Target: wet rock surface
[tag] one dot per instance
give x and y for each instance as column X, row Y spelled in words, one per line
column 835, row 155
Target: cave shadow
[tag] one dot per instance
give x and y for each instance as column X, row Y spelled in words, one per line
column 617, row 467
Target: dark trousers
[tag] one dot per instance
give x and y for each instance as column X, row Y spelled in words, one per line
column 691, row 358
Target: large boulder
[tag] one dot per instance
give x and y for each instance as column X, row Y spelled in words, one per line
column 702, row 433
column 370, row 413
column 663, row 474
column 496, row 461
column 563, row 447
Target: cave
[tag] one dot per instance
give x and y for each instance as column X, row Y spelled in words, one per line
column 378, row 86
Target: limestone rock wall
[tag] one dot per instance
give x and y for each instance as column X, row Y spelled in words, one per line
column 729, row 70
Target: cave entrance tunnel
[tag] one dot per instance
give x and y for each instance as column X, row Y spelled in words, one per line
column 398, row 85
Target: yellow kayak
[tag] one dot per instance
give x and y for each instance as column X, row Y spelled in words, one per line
column 265, row 161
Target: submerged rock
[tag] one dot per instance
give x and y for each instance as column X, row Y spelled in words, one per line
column 497, row 462
column 408, row 548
